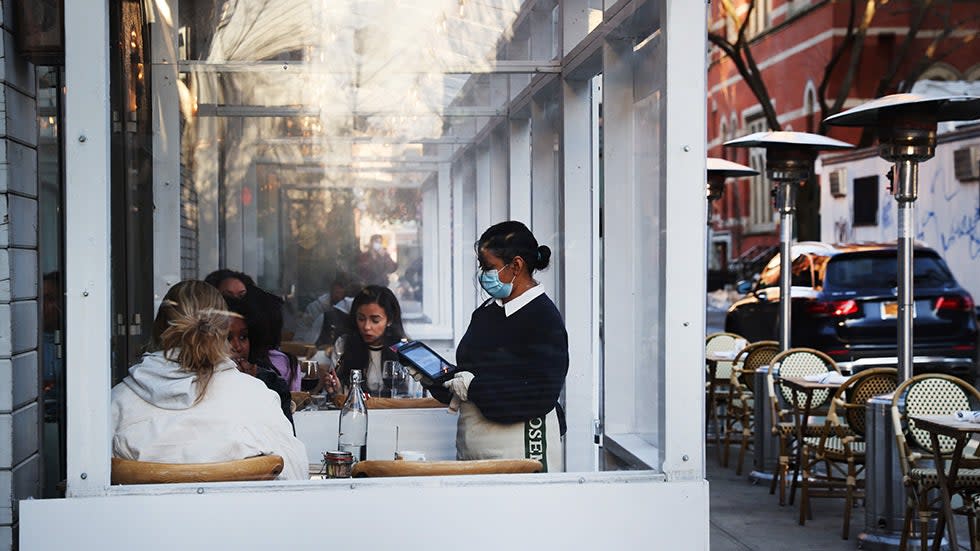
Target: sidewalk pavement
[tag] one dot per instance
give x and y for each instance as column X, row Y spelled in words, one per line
column 745, row 517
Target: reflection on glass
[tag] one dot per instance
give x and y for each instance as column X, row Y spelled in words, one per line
column 314, row 135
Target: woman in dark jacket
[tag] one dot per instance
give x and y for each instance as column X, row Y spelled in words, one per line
column 513, row 358
column 377, row 318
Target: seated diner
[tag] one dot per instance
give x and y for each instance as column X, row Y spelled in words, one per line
column 186, row 402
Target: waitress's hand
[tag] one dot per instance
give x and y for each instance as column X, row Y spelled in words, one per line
column 459, row 385
column 414, row 373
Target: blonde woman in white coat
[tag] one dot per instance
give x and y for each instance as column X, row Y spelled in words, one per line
column 186, row 401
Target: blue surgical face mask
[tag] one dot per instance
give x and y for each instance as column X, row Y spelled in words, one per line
column 490, row 281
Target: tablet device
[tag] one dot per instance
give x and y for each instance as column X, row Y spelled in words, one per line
column 421, row 357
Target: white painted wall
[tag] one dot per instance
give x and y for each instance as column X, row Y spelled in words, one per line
column 947, row 212
column 611, row 511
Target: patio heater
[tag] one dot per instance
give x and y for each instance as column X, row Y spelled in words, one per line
column 720, row 170
column 789, row 160
column 906, row 126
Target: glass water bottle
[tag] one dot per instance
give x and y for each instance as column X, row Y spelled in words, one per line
column 352, row 434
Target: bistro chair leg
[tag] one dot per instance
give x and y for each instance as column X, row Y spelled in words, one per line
column 903, row 544
column 783, row 474
column 971, row 527
column 851, row 490
column 725, row 451
column 924, row 527
column 746, row 434
column 805, row 485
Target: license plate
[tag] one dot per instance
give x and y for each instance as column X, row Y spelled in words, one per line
column 889, row 310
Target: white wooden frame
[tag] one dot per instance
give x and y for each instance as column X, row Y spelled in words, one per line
column 642, row 506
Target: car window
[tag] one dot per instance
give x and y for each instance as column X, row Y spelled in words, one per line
column 877, row 271
column 802, row 271
column 770, row 274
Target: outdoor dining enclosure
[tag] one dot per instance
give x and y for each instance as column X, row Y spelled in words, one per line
column 279, row 140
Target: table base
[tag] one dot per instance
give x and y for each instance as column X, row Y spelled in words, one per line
column 888, row 540
column 761, row 476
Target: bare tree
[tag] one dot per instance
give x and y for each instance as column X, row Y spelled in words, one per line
column 842, row 69
column 848, row 54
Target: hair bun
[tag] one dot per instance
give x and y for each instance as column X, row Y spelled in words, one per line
column 544, row 257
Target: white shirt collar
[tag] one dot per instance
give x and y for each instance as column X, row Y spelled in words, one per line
column 519, row 302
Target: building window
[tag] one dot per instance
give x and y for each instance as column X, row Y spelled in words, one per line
column 760, row 17
column 760, row 199
column 866, row 201
column 810, row 109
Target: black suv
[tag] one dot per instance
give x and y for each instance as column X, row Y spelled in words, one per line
column 844, row 304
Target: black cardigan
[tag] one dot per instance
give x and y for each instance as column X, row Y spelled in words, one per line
column 519, row 362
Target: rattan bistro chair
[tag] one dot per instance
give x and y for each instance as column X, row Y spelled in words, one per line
column 716, row 387
column 931, row 394
column 841, row 444
column 786, row 404
column 739, row 421
column 262, row 467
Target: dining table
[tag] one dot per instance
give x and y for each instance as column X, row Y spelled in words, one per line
column 960, row 431
column 430, row 431
column 806, row 388
column 714, row 384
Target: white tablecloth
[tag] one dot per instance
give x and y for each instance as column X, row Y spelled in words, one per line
column 430, row 431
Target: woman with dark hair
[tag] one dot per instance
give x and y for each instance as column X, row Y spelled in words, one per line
column 377, row 318
column 513, row 358
column 185, row 402
column 265, row 326
column 245, row 331
column 230, row 283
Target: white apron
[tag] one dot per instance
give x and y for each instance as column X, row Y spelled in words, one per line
column 479, row 438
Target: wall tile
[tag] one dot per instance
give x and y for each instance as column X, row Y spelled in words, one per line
column 6, row 440
column 22, row 219
column 25, row 377
column 6, row 342
column 23, row 262
column 21, row 168
column 6, row 385
column 20, row 114
column 24, row 327
column 6, row 499
column 25, row 433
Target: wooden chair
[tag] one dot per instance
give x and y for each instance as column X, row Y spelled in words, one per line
column 376, row 468
column 785, row 405
column 931, row 394
column 739, row 423
column 717, row 380
column 841, row 445
column 262, row 467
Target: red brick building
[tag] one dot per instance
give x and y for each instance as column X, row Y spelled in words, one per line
column 792, row 43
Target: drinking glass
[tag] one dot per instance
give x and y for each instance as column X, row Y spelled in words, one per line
column 393, row 375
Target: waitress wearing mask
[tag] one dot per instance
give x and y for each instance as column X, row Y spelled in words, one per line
column 513, row 358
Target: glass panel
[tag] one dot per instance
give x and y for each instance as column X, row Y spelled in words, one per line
column 649, row 102
column 50, row 167
column 310, row 129
column 323, row 147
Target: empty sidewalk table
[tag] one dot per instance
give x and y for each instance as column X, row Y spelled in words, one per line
column 960, row 431
column 802, row 412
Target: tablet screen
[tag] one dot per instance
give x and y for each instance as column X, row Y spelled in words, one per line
column 426, row 360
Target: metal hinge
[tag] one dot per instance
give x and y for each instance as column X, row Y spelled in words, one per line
column 597, row 431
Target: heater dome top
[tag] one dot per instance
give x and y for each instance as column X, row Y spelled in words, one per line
column 726, row 168
column 929, row 108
